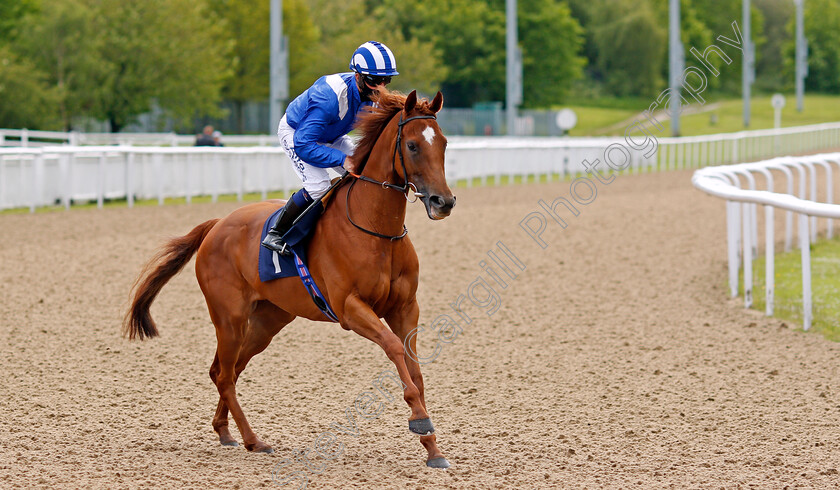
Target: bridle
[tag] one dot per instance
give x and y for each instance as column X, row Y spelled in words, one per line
column 402, row 189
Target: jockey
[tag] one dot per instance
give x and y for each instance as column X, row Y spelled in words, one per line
column 314, row 129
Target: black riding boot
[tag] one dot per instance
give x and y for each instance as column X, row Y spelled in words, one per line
column 274, row 238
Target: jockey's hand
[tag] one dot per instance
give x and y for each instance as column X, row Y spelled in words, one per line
column 349, row 164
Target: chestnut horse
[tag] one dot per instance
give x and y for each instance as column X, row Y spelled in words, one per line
column 358, row 255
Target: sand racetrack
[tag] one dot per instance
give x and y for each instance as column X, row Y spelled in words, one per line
column 615, row 360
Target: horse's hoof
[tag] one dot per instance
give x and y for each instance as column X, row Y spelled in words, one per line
column 440, row 462
column 260, row 448
column 229, row 443
column 421, row 427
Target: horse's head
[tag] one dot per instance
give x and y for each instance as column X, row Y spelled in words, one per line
column 422, row 146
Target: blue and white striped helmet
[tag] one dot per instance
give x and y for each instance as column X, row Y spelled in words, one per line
column 374, row 58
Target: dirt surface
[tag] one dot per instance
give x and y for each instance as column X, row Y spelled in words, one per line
column 615, row 359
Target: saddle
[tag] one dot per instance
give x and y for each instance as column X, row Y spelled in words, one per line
column 273, row 266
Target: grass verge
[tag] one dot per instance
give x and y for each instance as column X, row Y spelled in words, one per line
column 825, row 287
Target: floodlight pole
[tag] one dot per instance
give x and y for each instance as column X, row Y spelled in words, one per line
column 801, row 56
column 278, row 66
column 675, row 62
column 747, row 63
column 513, row 66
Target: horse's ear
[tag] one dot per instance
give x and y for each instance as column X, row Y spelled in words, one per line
column 437, row 103
column 410, row 101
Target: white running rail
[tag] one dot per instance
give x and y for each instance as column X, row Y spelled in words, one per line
column 49, row 175
column 60, row 173
column 741, row 215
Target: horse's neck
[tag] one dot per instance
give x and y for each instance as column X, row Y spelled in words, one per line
column 381, row 162
column 383, row 206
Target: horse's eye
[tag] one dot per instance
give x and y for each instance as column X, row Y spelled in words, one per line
column 411, row 146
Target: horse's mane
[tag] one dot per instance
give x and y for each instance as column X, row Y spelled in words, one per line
column 372, row 121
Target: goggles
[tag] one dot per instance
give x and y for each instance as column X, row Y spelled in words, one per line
column 374, row 80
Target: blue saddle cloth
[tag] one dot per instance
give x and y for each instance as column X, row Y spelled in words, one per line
column 272, row 265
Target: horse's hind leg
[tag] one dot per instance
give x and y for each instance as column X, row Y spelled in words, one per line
column 220, row 419
column 264, row 323
column 230, row 310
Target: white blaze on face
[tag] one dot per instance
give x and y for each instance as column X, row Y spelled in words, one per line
column 429, row 134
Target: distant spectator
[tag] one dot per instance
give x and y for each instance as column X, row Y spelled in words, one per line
column 217, row 138
column 206, row 137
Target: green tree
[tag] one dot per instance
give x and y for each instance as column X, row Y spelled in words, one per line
column 694, row 33
column 20, row 81
column 551, row 41
column 344, row 27
column 470, row 36
column 166, row 52
column 11, row 11
column 248, row 27
column 115, row 60
column 718, row 17
column 771, row 57
column 822, row 18
column 57, row 40
column 631, row 45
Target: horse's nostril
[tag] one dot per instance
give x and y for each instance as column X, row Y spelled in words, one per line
column 438, row 201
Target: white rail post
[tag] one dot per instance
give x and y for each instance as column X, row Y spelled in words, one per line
column 158, row 159
column 802, row 182
column 695, row 162
column 100, row 182
column 732, row 212
column 264, row 174
column 216, row 178
column 813, row 174
column 829, row 194
column 769, row 247
column 748, row 254
column 754, row 213
column 37, row 181
column 835, row 159
column 64, row 170
column 240, row 178
column 788, row 214
column 805, row 246
column 734, row 155
column 770, row 259
column 129, row 178
column 2, row 181
column 190, row 177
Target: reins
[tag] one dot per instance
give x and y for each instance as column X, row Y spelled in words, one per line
column 403, row 189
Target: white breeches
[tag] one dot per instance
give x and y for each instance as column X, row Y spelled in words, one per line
column 316, row 180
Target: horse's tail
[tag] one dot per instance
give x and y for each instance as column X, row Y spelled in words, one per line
column 171, row 258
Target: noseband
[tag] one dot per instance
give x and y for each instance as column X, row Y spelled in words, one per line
column 403, row 189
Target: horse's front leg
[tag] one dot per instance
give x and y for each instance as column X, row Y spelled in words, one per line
column 403, row 321
column 360, row 318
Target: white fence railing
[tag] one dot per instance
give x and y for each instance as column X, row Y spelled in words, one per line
column 64, row 174
column 741, row 215
column 33, row 177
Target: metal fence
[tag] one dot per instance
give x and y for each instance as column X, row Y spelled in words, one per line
column 742, row 216
column 65, row 174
